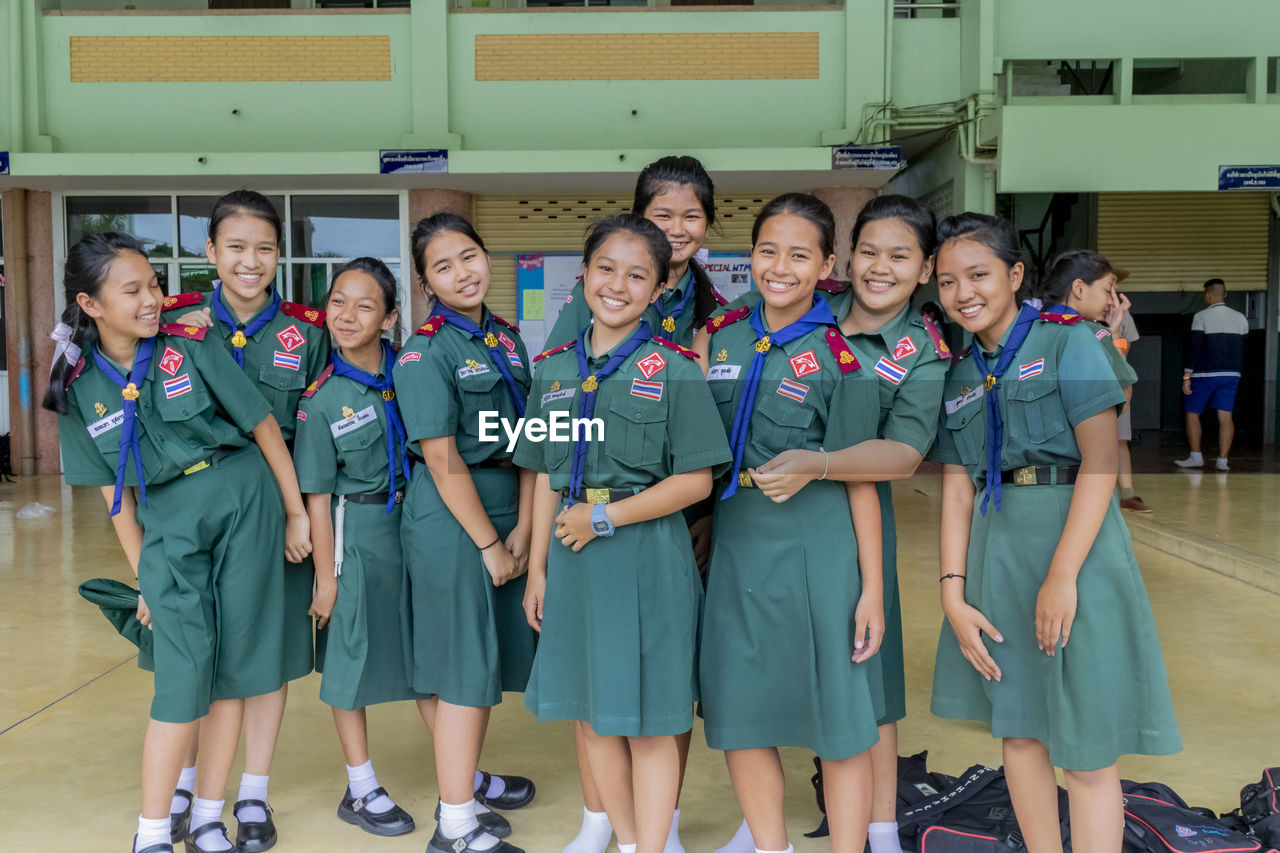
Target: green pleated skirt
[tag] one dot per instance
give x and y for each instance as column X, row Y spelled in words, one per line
column 364, row 651
column 777, row 631
column 890, row 657
column 470, row 639
column 1102, row 696
column 618, row 647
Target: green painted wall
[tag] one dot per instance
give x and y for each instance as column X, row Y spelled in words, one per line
column 926, row 61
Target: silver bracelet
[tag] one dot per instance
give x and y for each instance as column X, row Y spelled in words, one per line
column 826, row 463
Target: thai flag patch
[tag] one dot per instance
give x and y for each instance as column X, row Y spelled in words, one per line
column 795, row 390
column 889, row 371
column 514, row 358
column 646, row 389
column 1035, row 368
column 171, row 361
column 177, row 387
column 288, row 359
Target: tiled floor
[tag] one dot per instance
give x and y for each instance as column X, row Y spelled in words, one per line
column 73, row 703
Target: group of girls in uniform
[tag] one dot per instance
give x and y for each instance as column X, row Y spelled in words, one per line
column 725, row 546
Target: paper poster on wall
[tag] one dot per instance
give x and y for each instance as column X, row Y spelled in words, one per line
column 529, row 286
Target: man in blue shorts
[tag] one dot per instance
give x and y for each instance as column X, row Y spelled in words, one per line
column 1216, row 356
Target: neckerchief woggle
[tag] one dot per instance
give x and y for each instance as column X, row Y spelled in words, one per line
column 390, row 411
column 590, row 382
column 668, row 327
column 130, row 442
column 1027, row 315
column 818, row 316
column 490, row 340
column 242, row 332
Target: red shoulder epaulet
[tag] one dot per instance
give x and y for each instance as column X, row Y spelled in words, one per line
column 182, row 300
column 717, row 323
column 75, row 372
column 715, row 294
column 684, row 351
column 512, row 326
column 195, row 333
column 1056, row 317
column 540, row 356
column 314, row 386
column 934, row 332
column 840, row 349
column 314, row 316
column 830, row 285
column 429, row 328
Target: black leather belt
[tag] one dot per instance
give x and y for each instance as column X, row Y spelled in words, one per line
column 1040, row 475
column 494, row 462
column 598, row 496
column 379, row 498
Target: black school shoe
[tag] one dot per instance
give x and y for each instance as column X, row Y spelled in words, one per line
column 491, row 822
column 441, row 844
column 154, row 848
column 216, row 825
column 517, row 794
column 254, row 836
column 394, row 821
column 180, row 822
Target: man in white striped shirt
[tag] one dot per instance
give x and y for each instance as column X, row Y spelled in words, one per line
column 1212, row 372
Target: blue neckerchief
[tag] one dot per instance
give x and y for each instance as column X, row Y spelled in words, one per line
column 818, row 316
column 130, row 442
column 1027, row 316
column 668, row 327
column 490, row 340
column 390, row 411
column 590, row 382
column 247, row 331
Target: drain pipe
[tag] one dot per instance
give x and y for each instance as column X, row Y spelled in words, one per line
column 18, row 284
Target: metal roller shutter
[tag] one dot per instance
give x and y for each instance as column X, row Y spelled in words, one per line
column 515, row 224
column 1176, row 241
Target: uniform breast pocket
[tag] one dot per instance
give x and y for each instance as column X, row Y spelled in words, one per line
column 968, row 430
column 281, row 379
column 106, row 434
column 722, row 392
column 1035, row 410
column 475, row 395
column 635, row 432
column 779, row 423
column 183, row 405
column 363, row 451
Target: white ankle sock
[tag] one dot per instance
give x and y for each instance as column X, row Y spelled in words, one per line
column 361, row 780
column 883, row 836
column 186, row 782
column 497, row 787
column 152, row 832
column 252, row 788
column 460, row 819
column 742, row 842
column 626, row 848
column 673, row 844
column 594, row 835
column 208, row 811
column 790, row 849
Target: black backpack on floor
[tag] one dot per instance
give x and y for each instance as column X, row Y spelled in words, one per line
column 915, row 785
column 1259, row 812
column 1157, row 820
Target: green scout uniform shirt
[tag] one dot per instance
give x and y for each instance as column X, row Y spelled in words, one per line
column 1125, row 373
column 645, row 440
column 575, row 314
column 446, row 379
column 837, row 409
column 1040, row 411
column 283, row 336
column 177, row 428
column 341, row 443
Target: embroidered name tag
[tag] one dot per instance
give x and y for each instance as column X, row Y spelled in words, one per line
column 464, row 372
column 346, row 425
column 963, row 400
column 563, row 394
column 110, row 422
column 724, row 371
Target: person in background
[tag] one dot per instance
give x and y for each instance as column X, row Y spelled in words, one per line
column 1212, row 371
column 1124, row 333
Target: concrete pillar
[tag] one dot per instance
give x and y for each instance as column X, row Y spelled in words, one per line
column 424, row 203
column 845, row 203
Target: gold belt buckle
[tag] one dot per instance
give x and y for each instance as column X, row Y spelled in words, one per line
column 597, row 496
column 745, row 481
column 199, row 466
column 1025, row 476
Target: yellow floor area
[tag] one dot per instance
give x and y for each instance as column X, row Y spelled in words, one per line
column 73, row 703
